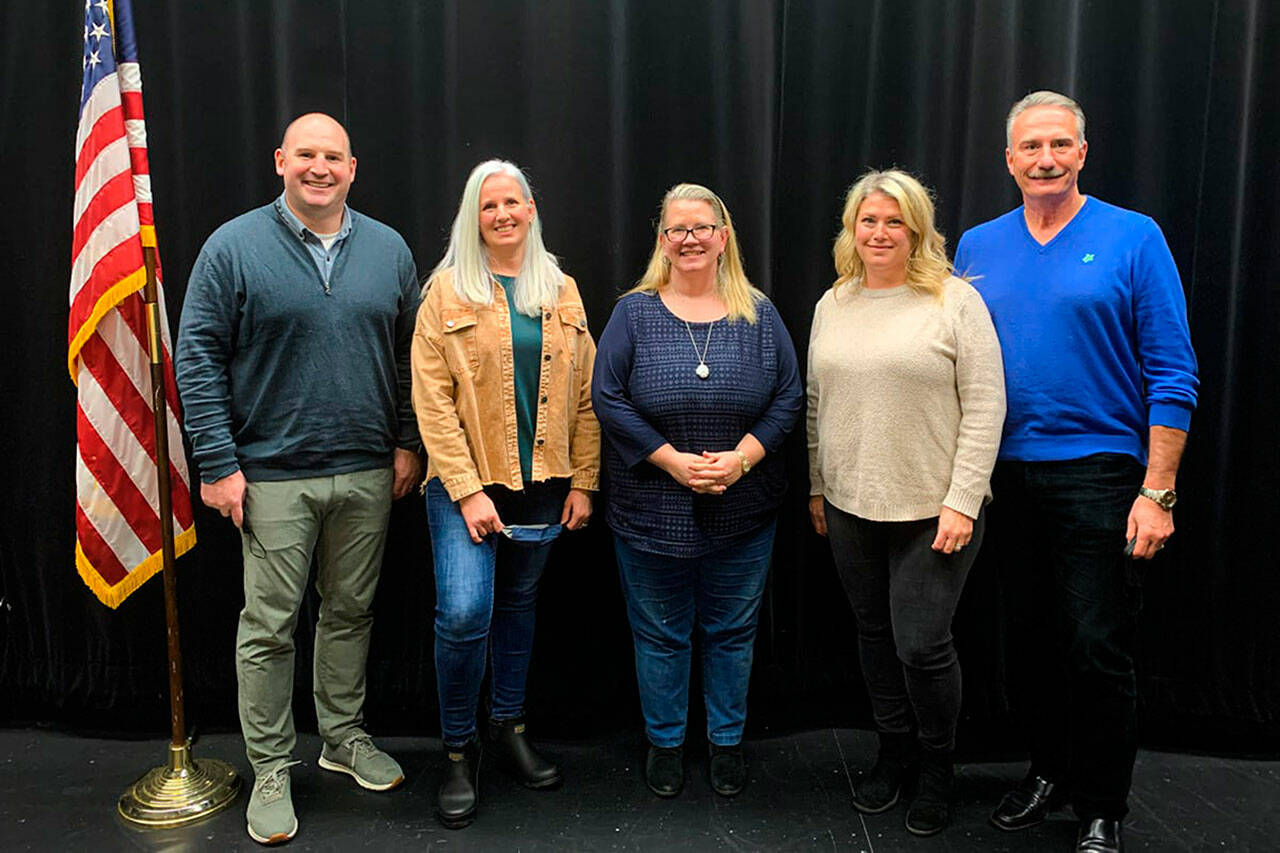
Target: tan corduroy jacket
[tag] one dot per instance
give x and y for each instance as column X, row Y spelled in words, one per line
column 464, row 392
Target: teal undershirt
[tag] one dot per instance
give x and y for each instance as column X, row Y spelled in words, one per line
column 526, row 351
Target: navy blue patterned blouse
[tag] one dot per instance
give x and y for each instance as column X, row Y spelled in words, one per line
column 646, row 393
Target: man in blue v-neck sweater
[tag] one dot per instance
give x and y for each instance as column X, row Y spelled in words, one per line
column 1101, row 383
column 293, row 366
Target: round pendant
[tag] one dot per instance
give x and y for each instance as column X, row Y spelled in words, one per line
column 703, row 371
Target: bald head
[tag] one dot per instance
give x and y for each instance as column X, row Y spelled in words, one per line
column 316, row 121
column 314, row 158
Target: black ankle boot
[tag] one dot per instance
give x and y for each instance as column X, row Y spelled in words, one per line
column 895, row 766
column 728, row 769
column 460, row 790
column 664, row 770
column 930, row 811
column 507, row 742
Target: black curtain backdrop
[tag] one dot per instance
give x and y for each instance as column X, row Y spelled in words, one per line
column 777, row 105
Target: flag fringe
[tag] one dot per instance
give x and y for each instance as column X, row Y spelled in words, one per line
column 113, row 595
column 114, row 295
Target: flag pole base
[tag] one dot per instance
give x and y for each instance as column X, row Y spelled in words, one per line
column 182, row 791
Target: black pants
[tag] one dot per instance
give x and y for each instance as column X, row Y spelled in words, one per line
column 1072, row 601
column 904, row 595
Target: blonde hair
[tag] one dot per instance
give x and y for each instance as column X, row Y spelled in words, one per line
column 539, row 280
column 927, row 264
column 739, row 294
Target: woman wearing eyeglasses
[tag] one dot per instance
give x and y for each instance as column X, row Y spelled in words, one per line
column 696, row 387
column 906, row 404
column 502, row 364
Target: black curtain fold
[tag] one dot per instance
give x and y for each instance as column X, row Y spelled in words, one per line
column 776, row 104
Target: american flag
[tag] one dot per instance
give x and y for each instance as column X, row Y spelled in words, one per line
column 118, row 539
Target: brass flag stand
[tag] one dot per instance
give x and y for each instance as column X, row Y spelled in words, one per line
column 183, row 789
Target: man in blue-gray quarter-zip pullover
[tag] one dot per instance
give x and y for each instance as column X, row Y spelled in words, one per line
column 293, row 367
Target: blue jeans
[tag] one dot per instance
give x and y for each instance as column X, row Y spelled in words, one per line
column 1072, row 600
column 486, row 595
column 904, row 595
column 666, row 596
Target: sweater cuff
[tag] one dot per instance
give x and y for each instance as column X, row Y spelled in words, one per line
column 212, row 472
column 963, row 501
column 1169, row 415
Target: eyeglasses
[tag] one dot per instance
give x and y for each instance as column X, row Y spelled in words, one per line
column 699, row 232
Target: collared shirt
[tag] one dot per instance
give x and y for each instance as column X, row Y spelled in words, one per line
column 323, row 257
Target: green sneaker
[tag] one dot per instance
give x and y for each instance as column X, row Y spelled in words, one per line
column 361, row 760
column 270, row 814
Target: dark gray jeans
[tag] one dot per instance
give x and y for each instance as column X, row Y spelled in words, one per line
column 904, row 595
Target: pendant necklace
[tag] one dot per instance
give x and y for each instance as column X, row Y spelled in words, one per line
column 702, row 371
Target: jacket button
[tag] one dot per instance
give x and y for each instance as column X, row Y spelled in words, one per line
column 544, row 398
column 539, row 441
column 547, row 357
column 449, row 323
column 548, row 315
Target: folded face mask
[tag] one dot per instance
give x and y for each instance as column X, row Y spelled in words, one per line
column 532, row 534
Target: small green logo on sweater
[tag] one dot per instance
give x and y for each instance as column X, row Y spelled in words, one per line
column 1087, row 259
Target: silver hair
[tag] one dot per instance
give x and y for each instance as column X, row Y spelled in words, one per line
column 540, row 279
column 1044, row 98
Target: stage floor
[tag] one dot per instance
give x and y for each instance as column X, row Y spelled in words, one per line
column 59, row 791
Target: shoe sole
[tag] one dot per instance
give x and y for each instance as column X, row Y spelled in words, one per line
column 922, row 833
column 1004, row 827
column 278, row 838
column 666, row 795
column 878, row 809
column 360, row 780
column 539, row 786
column 458, row 822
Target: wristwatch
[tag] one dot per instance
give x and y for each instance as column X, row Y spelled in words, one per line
column 1164, row 498
column 746, row 463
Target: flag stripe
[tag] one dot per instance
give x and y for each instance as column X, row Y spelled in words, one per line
column 103, row 99
column 128, row 483
column 115, row 193
column 106, row 510
column 124, row 374
column 103, row 134
column 110, row 163
column 117, row 232
column 97, row 550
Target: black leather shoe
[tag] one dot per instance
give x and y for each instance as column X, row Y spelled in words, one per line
column 460, row 791
column 507, row 742
column 1099, row 835
column 1025, row 805
column 896, row 765
column 930, row 811
column 728, row 770
column 664, row 770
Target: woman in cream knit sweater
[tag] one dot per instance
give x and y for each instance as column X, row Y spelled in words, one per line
column 906, row 402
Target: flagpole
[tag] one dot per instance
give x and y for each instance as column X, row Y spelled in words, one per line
column 177, row 717
column 183, row 789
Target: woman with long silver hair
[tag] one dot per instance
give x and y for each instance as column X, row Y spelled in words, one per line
column 696, row 388
column 502, row 364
